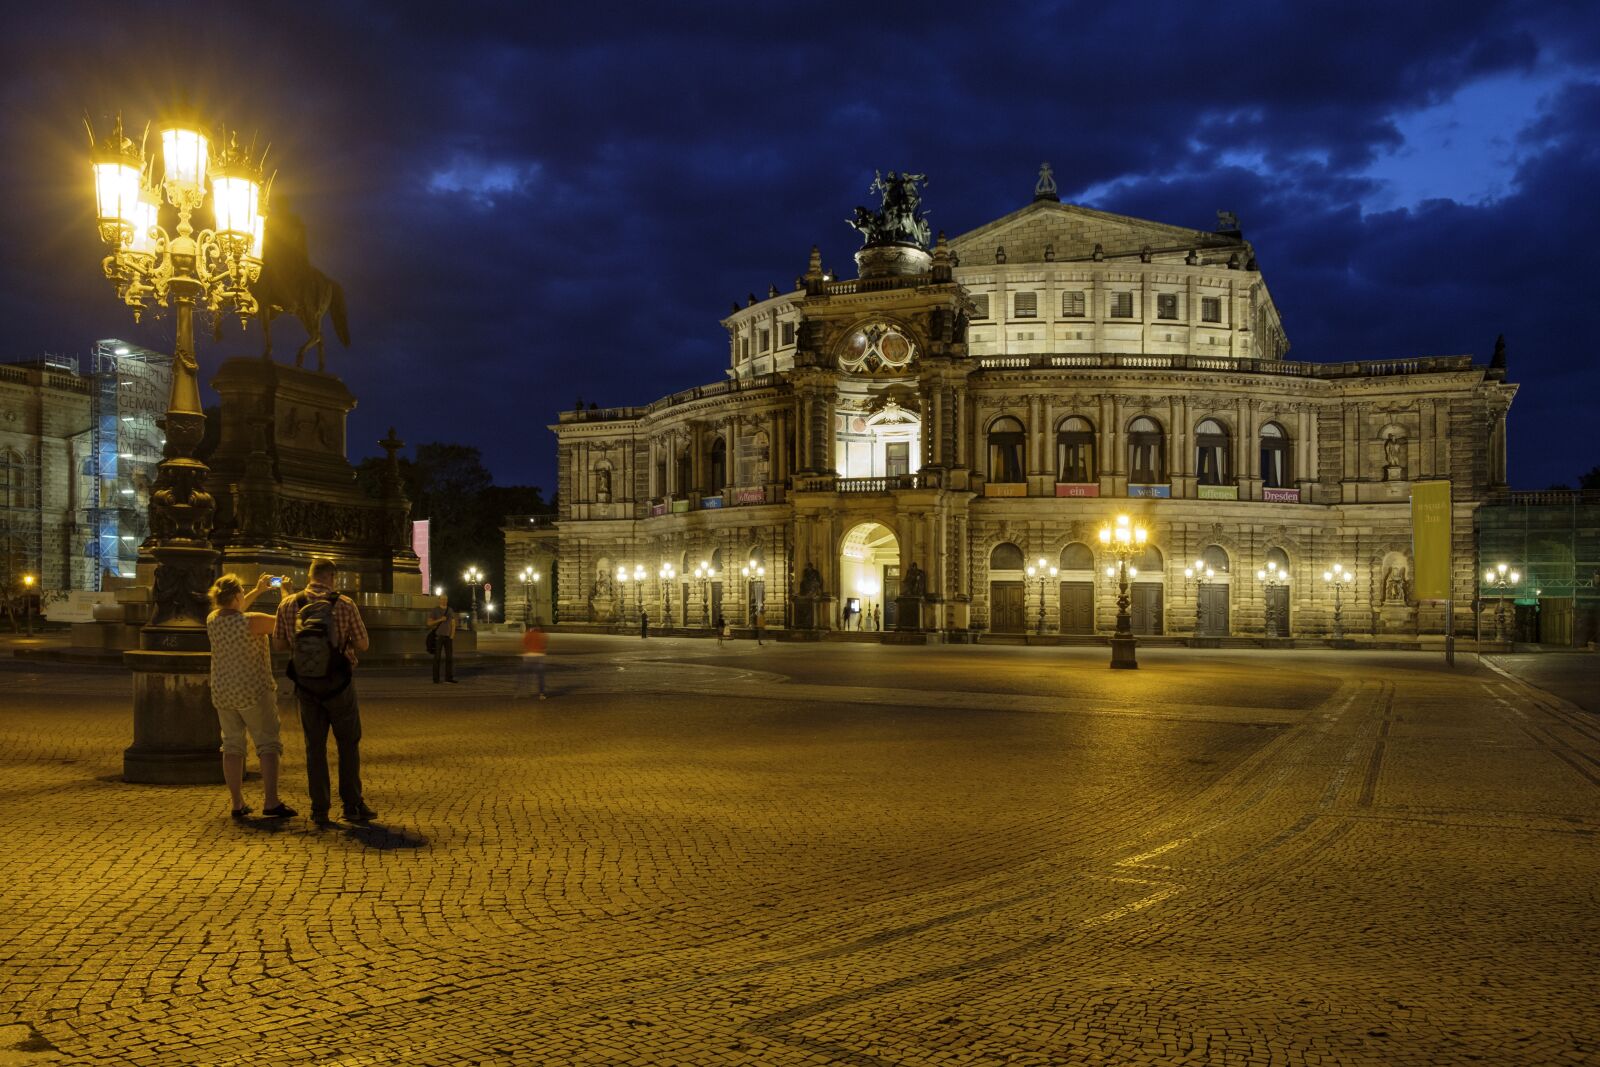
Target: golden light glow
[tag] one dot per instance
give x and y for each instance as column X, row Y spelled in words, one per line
column 144, row 226
column 185, row 153
column 258, row 239
column 116, row 189
column 236, row 199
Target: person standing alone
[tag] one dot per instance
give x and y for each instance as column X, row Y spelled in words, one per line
column 442, row 636
column 242, row 689
column 323, row 631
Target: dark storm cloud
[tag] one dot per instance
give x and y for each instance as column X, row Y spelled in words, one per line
column 527, row 203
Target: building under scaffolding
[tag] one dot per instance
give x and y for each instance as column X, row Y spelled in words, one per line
column 129, row 395
column 1552, row 539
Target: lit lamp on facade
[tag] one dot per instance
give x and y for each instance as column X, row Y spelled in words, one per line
column 665, row 576
column 1500, row 577
column 1273, row 577
column 1337, row 578
column 473, row 577
column 1201, row 575
column 1125, row 541
column 1044, row 572
column 751, row 574
column 705, row 574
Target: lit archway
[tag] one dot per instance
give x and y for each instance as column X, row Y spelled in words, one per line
column 869, row 577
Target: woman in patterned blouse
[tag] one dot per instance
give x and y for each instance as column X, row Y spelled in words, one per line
column 243, row 690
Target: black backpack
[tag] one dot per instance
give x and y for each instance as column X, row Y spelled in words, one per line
column 315, row 664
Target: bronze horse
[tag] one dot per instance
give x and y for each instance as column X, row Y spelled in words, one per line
column 289, row 283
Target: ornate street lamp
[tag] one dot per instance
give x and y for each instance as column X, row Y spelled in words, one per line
column 1043, row 571
column 474, row 578
column 27, row 601
column 1125, row 541
column 214, row 268
column 1337, row 577
column 1200, row 575
column 152, row 269
column 527, row 577
column 665, row 576
column 1501, row 577
column 706, row 574
column 757, row 573
column 1273, row 578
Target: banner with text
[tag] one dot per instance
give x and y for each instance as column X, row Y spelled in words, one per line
column 1430, row 539
column 419, row 545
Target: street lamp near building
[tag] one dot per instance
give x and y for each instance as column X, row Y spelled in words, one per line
column 665, row 576
column 706, row 574
column 1044, row 572
column 474, row 578
column 530, row 578
column 1125, row 541
column 1201, row 576
column 27, row 601
column 1272, row 578
column 152, row 269
column 868, row 588
column 757, row 573
column 1337, row 577
column 1500, row 577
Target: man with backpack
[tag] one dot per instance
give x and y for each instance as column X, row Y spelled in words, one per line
column 323, row 631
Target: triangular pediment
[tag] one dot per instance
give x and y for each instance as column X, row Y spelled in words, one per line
column 1071, row 231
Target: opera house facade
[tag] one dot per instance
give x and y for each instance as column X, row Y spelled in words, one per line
column 933, row 445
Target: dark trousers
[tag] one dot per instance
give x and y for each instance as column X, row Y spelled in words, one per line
column 445, row 648
column 340, row 714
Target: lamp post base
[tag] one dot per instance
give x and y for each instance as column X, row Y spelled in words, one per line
column 176, row 739
column 1122, row 653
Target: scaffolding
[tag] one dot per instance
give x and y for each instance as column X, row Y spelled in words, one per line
column 127, row 399
column 1552, row 539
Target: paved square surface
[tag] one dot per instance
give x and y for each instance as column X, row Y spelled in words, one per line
column 831, row 854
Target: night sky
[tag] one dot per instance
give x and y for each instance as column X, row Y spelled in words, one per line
column 529, row 202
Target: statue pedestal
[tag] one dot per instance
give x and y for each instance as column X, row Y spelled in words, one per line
column 1397, row 619
column 908, row 612
column 1394, row 474
column 176, row 739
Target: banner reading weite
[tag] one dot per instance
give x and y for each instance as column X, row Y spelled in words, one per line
column 1430, row 539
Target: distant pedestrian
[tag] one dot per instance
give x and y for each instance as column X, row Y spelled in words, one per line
column 644, row 624
column 442, row 638
column 722, row 629
column 242, row 689
column 534, row 644
column 323, row 631
column 761, row 623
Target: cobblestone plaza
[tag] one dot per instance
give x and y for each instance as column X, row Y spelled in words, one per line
column 833, row 854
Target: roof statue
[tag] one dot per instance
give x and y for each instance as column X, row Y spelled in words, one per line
column 898, row 220
column 1045, row 188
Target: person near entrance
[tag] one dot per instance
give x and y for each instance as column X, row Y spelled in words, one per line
column 442, row 638
column 644, row 624
column 323, row 631
column 761, row 623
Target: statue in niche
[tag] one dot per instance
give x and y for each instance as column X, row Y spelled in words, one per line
column 602, row 489
column 916, row 582
column 810, row 581
column 1394, row 585
column 1394, row 451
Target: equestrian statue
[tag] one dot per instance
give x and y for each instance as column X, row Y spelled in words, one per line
column 289, row 283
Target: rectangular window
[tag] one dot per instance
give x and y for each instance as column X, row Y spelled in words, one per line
column 980, row 306
column 1211, row 309
column 897, row 458
column 763, row 340
column 1122, row 305
column 786, row 331
column 744, row 348
column 1072, row 304
column 1027, row 305
column 1166, row 305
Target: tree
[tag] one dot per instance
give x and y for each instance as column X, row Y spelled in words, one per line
column 1591, row 480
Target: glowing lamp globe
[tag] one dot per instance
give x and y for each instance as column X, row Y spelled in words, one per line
column 236, row 201
column 116, row 191
column 184, row 153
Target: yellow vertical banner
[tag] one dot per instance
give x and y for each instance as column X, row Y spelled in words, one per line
column 1430, row 539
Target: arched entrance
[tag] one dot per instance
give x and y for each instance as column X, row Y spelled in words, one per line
column 869, row 577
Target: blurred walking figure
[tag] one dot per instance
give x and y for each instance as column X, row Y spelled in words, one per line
column 442, row 638
column 534, row 643
column 242, row 688
column 722, row 628
column 644, row 624
column 761, row 623
column 323, row 631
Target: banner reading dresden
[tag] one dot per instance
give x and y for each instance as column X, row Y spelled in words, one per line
column 1430, row 539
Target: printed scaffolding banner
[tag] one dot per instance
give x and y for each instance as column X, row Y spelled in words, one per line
column 1430, row 539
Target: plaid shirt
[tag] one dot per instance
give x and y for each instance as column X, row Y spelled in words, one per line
column 348, row 629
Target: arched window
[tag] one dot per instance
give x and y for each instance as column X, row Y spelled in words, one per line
column 719, row 467
column 1213, row 464
column 1151, row 563
column 1075, row 458
column 1077, row 557
column 1215, row 557
column 1147, row 452
column 13, row 480
column 1006, row 442
column 1275, row 472
column 1278, row 556
column 1005, row 557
